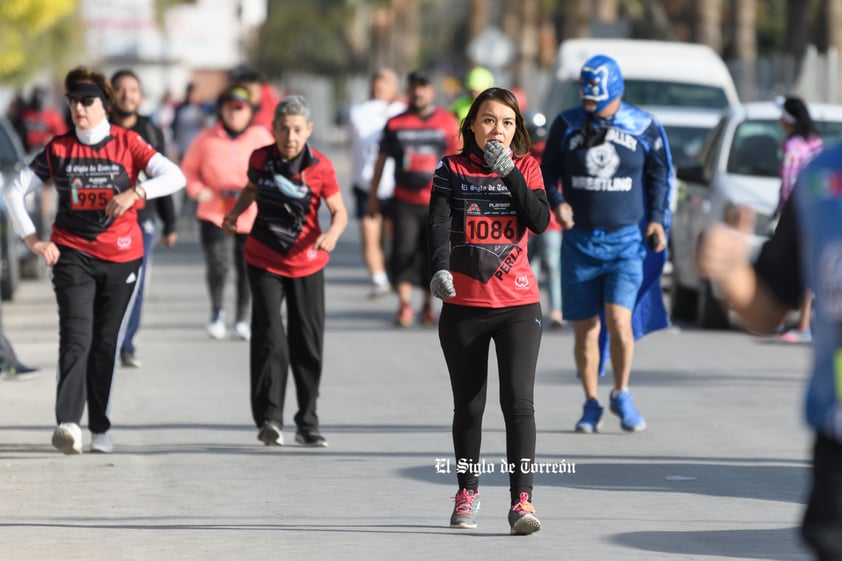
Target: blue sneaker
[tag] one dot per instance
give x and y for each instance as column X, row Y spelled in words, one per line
column 796, row 336
column 622, row 406
column 591, row 417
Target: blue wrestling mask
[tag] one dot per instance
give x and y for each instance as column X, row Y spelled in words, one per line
column 601, row 81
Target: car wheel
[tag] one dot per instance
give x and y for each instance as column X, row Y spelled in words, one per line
column 711, row 314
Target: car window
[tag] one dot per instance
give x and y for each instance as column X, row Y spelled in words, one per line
column 712, row 147
column 756, row 146
column 674, row 94
column 658, row 93
column 755, row 149
column 830, row 131
column 685, row 144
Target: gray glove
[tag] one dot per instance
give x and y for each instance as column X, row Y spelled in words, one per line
column 441, row 285
column 498, row 159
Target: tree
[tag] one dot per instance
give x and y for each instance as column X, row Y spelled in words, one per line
column 478, row 18
column 745, row 30
column 305, row 36
column 657, row 16
column 798, row 23
column 405, row 41
column 34, row 35
column 832, row 13
column 521, row 22
column 708, row 24
column 605, row 10
column 745, row 45
column 337, row 38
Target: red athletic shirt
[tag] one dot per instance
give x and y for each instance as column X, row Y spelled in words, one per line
column 288, row 198
column 40, row 126
column 417, row 144
column 86, row 178
column 488, row 240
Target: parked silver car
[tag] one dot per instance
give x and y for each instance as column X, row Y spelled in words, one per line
column 16, row 259
column 11, row 161
column 739, row 165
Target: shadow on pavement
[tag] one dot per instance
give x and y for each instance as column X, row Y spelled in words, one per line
column 726, row 479
column 774, row 544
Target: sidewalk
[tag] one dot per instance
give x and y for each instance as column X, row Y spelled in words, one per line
column 720, row 473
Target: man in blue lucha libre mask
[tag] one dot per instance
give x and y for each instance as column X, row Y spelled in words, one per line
column 607, row 171
column 601, row 83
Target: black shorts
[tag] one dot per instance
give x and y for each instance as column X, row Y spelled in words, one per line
column 361, row 204
column 409, row 261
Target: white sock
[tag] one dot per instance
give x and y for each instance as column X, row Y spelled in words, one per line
column 380, row 278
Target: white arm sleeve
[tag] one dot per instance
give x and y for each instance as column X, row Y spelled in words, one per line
column 166, row 177
column 24, row 183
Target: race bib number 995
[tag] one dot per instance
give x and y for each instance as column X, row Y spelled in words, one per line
column 90, row 199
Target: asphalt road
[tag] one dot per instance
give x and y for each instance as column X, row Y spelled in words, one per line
column 720, row 473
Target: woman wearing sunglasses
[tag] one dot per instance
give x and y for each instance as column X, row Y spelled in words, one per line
column 95, row 248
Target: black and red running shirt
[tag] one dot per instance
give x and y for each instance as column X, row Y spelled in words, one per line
column 417, row 144
column 288, row 198
column 86, row 178
column 486, row 249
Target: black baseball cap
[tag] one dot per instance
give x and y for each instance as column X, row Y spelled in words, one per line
column 419, row 77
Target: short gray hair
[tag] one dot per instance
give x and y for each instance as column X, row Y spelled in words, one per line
column 292, row 105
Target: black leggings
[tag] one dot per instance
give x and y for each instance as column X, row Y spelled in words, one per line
column 218, row 250
column 465, row 334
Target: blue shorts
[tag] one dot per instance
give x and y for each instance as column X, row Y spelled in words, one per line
column 600, row 267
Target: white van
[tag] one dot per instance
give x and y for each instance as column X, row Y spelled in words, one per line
column 685, row 85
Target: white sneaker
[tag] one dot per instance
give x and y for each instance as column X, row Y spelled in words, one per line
column 243, row 330
column 379, row 290
column 68, row 438
column 101, row 442
column 217, row 329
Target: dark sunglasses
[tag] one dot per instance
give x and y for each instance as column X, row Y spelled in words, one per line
column 86, row 101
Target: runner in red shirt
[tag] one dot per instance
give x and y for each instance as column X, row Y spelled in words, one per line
column 95, row 248
column 484, row 202
column 416, row 140
column 286, row 253
column 40, row 123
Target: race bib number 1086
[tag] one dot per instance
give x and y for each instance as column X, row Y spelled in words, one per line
column 490, row 229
